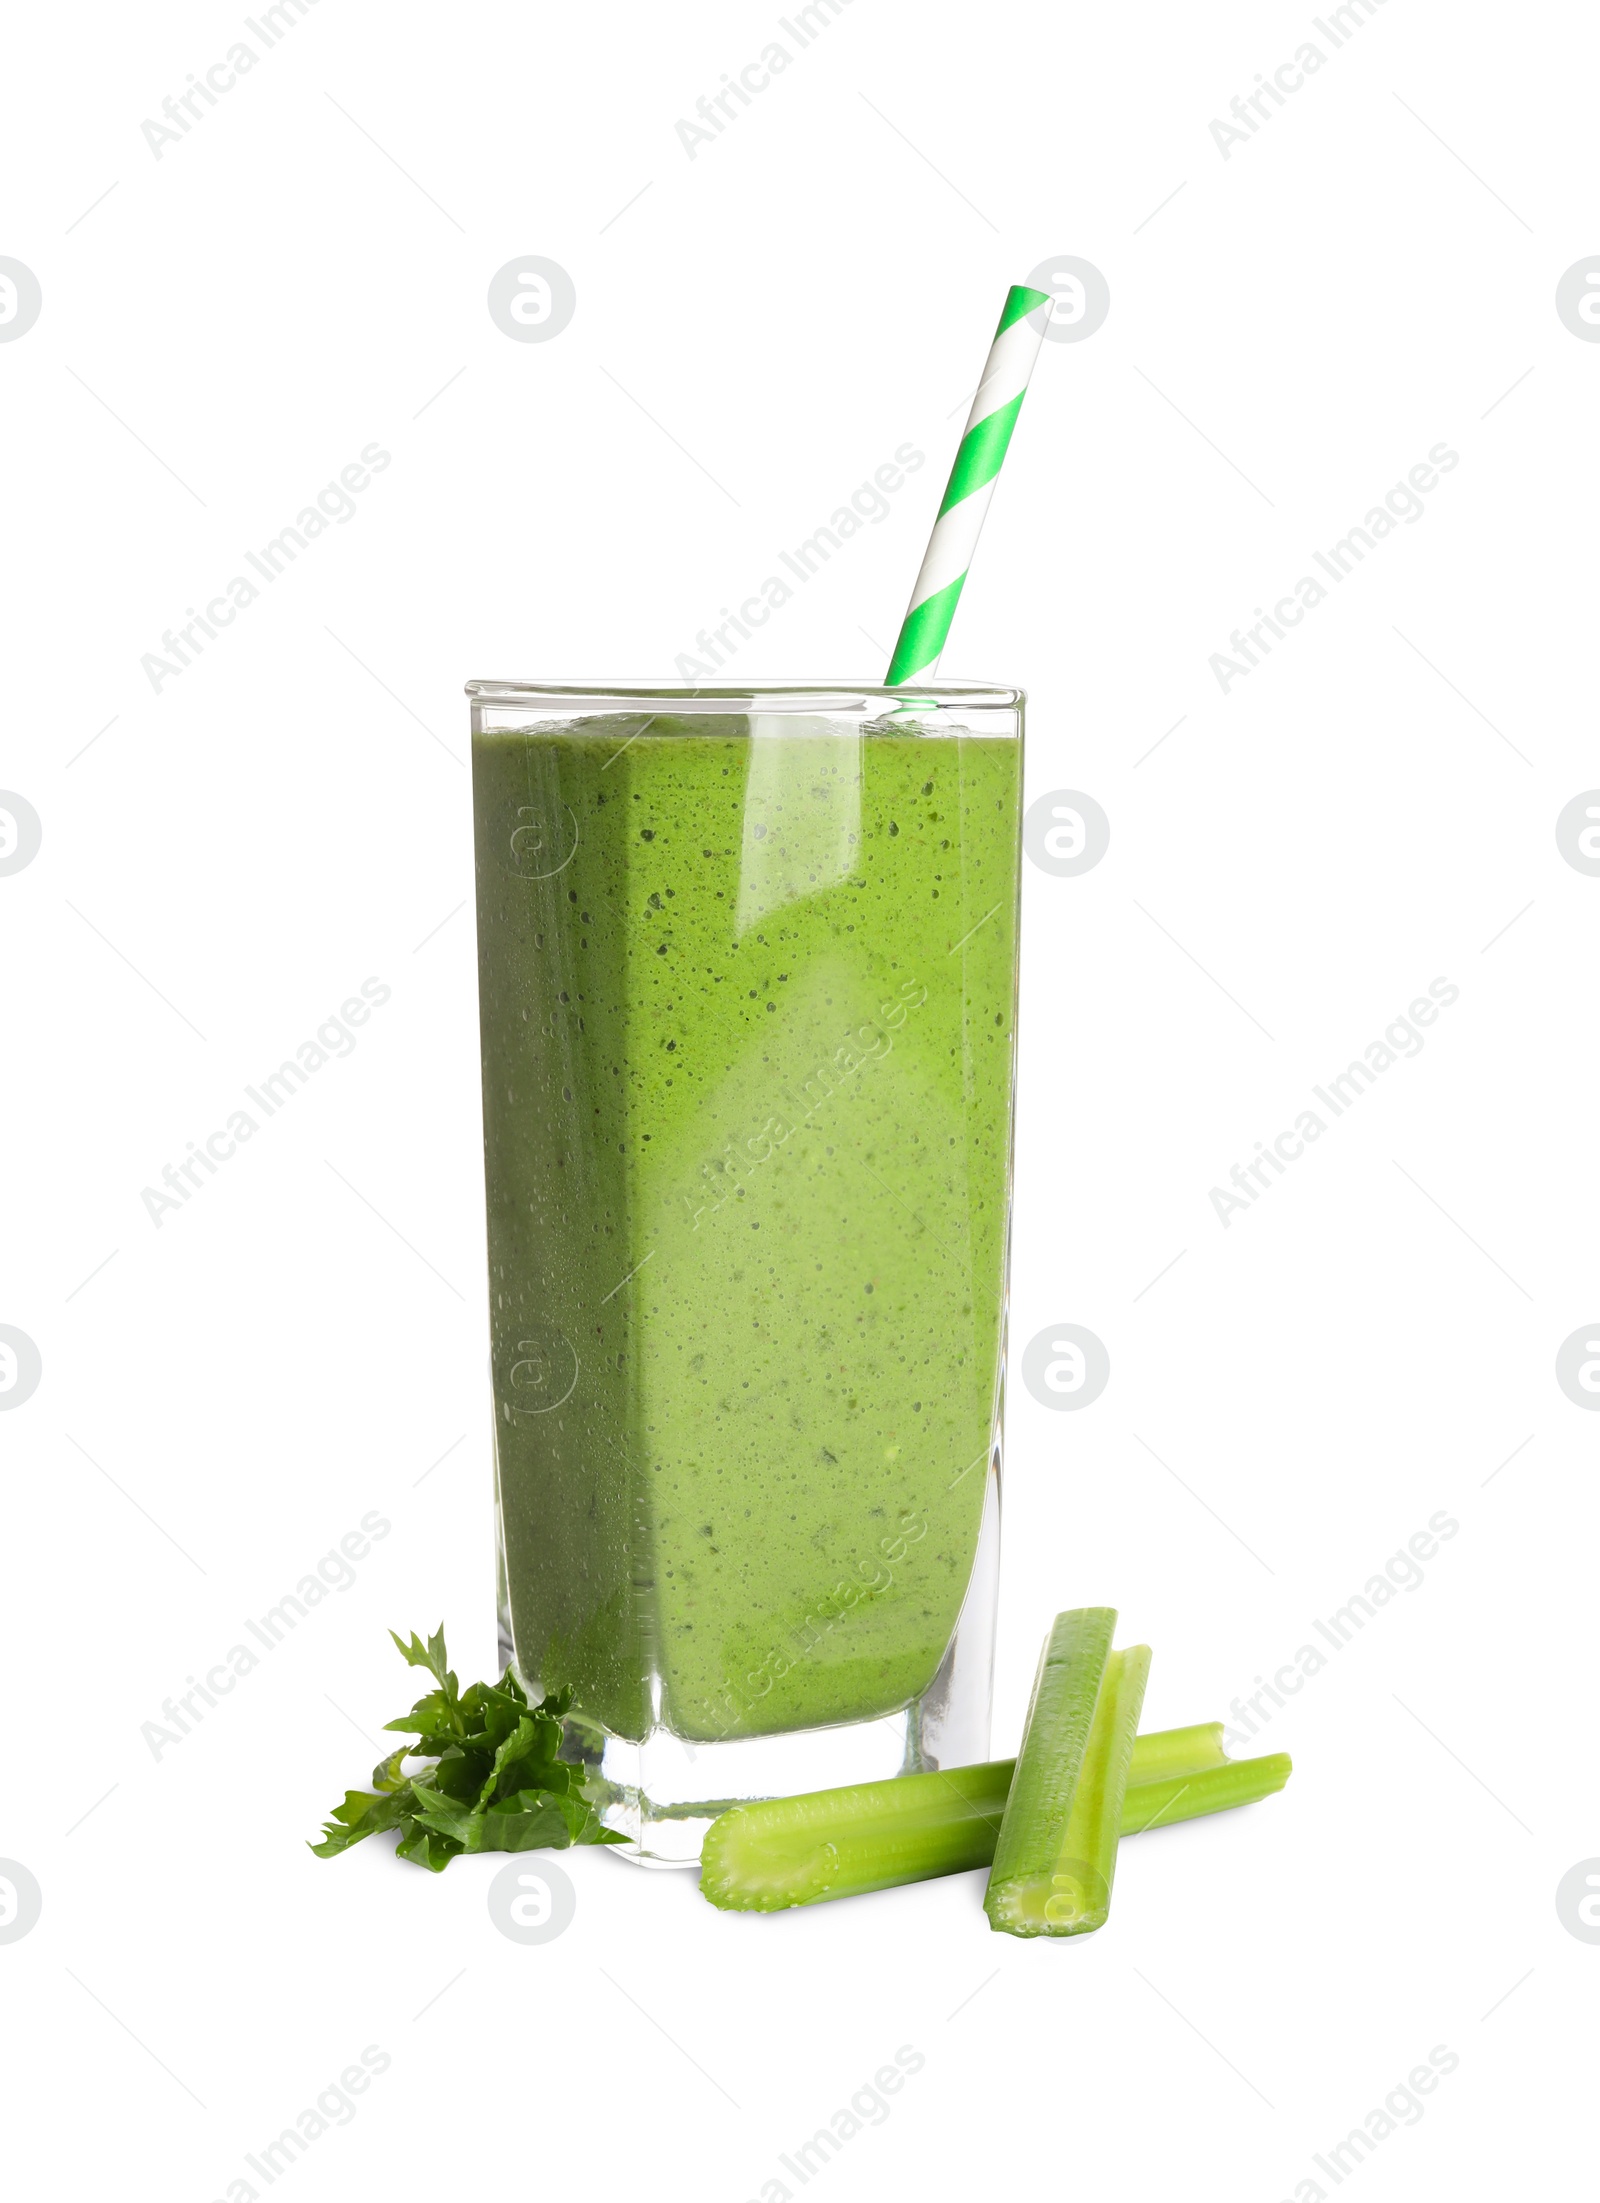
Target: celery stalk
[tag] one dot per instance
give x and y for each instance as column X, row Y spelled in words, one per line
column 779, row 1852
column 1057, row 1855
column 1055, row 1740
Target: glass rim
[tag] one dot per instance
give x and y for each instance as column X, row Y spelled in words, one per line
column 834, row 697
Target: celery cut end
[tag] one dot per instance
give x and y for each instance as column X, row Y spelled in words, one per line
column 750, row 1877
column 1074, row 1900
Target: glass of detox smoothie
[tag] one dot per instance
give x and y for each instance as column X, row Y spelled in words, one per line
column 747, row 986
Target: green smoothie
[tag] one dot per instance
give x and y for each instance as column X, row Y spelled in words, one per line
column 747, row 994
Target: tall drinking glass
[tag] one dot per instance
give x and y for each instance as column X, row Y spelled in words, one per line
column 747, row 985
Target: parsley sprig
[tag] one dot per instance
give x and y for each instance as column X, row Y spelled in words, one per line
column 495, row 1783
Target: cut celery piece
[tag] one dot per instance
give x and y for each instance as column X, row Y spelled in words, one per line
column 779, row 1852
column 1055, row 1740
column 1057, row 1855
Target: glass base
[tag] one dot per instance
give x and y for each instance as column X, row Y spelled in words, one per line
column 664, row 1793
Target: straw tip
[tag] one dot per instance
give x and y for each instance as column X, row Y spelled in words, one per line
column 1022, row 299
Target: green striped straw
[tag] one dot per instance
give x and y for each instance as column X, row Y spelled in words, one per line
column 966, row 500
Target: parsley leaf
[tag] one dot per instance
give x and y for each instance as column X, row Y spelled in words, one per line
column 495, row 1783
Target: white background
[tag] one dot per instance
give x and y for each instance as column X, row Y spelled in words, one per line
column 1291, row 330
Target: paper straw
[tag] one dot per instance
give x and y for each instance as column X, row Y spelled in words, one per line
column 966, row 500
